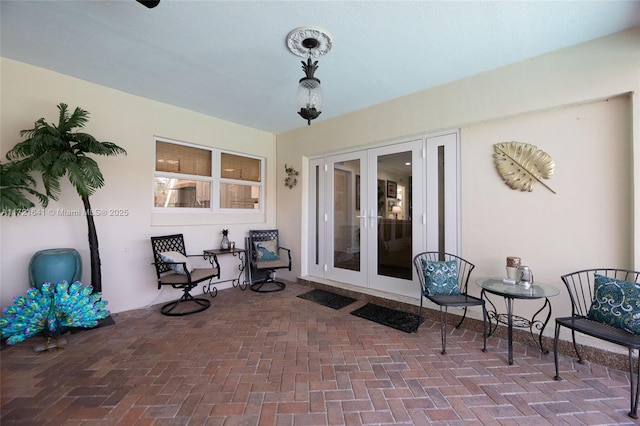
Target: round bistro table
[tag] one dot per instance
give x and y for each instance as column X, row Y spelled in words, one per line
column 510, row 292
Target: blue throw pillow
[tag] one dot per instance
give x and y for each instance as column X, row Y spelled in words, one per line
column 267, row 251
column 440, row 277
column 617, row 303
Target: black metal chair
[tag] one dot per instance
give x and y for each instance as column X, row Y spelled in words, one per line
column 267, row 256
column 173, row 268
column 444, row 301
column 580, row 286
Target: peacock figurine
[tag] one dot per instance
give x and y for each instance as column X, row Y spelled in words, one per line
column 51, row 310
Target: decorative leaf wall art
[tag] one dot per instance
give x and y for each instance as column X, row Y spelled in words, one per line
column 522, row 165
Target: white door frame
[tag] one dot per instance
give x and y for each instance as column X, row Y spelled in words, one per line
column 433, row 228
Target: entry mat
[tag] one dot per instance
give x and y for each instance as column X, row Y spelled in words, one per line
column 326, row 298
column 390, row 317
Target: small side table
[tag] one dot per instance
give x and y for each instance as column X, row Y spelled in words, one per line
column 510, row 292
column 243, row 269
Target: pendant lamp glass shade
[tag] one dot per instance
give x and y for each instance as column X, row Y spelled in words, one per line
column 310, row 99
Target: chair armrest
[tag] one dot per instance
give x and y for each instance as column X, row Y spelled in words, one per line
column 184, row 264
column 287, row 250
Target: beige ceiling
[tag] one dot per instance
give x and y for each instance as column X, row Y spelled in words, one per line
column 228, row 59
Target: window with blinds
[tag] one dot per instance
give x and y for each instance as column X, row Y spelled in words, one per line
column 171, row 157
column 238, row 167
column 185, row 179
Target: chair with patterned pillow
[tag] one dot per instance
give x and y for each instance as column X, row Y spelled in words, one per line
column 175, row 269
column 267, row 256
column 605, row 304
column 443, row 280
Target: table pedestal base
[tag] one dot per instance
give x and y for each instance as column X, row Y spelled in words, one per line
column 535, row 325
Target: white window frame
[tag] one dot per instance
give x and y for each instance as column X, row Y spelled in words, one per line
column 215, row 181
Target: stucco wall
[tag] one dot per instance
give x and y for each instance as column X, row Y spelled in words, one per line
column 29, row 93
column 587, row 223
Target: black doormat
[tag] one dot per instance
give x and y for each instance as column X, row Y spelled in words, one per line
column 390, row 317
column 326, row 298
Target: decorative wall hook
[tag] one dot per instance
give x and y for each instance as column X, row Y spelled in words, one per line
column 291, row 180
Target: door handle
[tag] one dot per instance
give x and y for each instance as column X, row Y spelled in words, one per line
column 374, row 217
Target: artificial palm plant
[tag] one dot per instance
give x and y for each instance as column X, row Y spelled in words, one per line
column 56, row 151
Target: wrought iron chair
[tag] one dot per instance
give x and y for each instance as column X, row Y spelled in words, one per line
column 581, row 288
column 461, row 299
column 173, row 268
column 267, row 256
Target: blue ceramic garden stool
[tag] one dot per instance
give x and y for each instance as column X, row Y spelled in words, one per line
column 55, row 265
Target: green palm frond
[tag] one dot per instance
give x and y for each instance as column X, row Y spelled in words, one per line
column 15, row 184
column 78, row 118
column 85, row 176
column 51, row 186
column 88, row 144
column 41, row 129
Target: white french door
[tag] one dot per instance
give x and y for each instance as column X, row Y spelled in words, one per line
column 370, row 212
column 346, row 218
column 395, row 215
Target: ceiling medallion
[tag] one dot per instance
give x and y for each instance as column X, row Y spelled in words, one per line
column 309, row 42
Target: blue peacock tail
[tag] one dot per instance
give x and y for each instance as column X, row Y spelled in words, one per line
column 26, row 317
column 50, row 309
column 77, row 306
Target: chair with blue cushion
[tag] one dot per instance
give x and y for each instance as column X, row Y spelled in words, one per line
column 175, row 269
column 605, row 304
column 266, row 256
column 443, row 280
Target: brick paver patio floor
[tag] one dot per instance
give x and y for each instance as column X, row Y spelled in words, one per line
column 276, row 359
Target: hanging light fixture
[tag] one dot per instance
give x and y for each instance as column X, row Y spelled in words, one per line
column 309, row 96
column 309, row 42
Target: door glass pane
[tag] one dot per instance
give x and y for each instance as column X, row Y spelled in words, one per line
column 346, row 244
column 441, row 194
column 394, row 215
column 317, row 216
